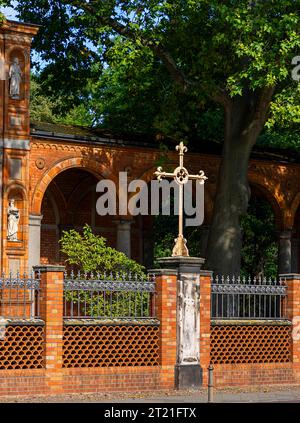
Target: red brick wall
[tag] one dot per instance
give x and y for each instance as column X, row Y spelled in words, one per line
column 111, row 345
column 22, row 347
column 254, row 374
column 251, row 343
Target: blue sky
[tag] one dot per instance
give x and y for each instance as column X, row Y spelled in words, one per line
column 9, row 12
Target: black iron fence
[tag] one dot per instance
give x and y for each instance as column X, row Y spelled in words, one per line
column 248, row 298
column 90, row 296
column 20, row 296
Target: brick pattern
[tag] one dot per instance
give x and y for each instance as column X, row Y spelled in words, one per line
column 253, row 374
column 51, row 312
column 125, row 379
column 205, row 305
column 22, row 347
column 235, row 344
column 166, row 303
column 293, row 313
column 106, row 346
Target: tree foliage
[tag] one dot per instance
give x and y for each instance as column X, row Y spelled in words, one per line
column 89, row 252
column 46, row 109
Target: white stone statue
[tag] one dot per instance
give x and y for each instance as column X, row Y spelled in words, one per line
column 189, row 322
column 15, row 76
column 13, row 217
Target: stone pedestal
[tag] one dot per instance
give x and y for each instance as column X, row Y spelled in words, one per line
column 188, row 372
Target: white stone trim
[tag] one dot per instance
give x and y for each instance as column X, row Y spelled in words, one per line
column 17, row 144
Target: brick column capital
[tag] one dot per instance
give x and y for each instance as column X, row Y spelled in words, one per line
column 290, row 276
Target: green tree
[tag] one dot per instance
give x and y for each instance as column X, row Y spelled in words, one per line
column 46, row 109
column 89, row 253
column 235, row 53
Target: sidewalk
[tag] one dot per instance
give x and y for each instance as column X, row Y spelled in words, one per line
column 254, row 394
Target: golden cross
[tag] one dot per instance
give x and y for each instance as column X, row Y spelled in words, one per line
column 181, row 177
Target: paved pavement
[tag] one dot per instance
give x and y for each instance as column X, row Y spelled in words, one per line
column 269, row 394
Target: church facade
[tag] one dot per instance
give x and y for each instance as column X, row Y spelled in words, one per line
column 49, row 174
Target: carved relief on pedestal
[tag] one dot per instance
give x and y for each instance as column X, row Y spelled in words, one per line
column 188, row 319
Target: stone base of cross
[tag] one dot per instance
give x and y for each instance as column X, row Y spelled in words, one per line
column 180, row 248
column 181, row 177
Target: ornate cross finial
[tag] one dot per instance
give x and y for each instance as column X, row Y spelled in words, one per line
column 181, row 176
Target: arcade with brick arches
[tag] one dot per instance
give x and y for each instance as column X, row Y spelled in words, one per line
column 52, row 173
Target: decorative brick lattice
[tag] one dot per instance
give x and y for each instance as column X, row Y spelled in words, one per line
column 105, row 346
column 234, row 344
column 22, row 347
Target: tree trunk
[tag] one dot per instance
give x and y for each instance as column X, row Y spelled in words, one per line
column 231, row 201
column 245, row 118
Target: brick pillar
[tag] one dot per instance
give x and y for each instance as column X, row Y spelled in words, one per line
column 293, row 314
column 51, row 307
column 188, row 373
column 166, row 288
column 205, row 308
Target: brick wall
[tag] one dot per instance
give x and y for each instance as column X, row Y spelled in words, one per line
column 142, row 357
column 111, row 345
column 95, row 358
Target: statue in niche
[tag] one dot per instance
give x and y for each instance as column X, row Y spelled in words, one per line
column 13, row 218
column 15, row 76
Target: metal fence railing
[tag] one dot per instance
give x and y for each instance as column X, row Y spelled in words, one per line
column 248, row 298
column 20, row 296
column 109, row 296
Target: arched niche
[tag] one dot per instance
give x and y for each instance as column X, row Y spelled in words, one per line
column 17, row 54
column 17, row 194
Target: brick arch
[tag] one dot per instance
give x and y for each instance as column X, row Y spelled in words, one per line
column 272, row 200
column 92, row 166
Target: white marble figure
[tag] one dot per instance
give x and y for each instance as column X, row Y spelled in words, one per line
column 13, row 217
column 189, row 325
column 188, row 320
column 15, row 76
